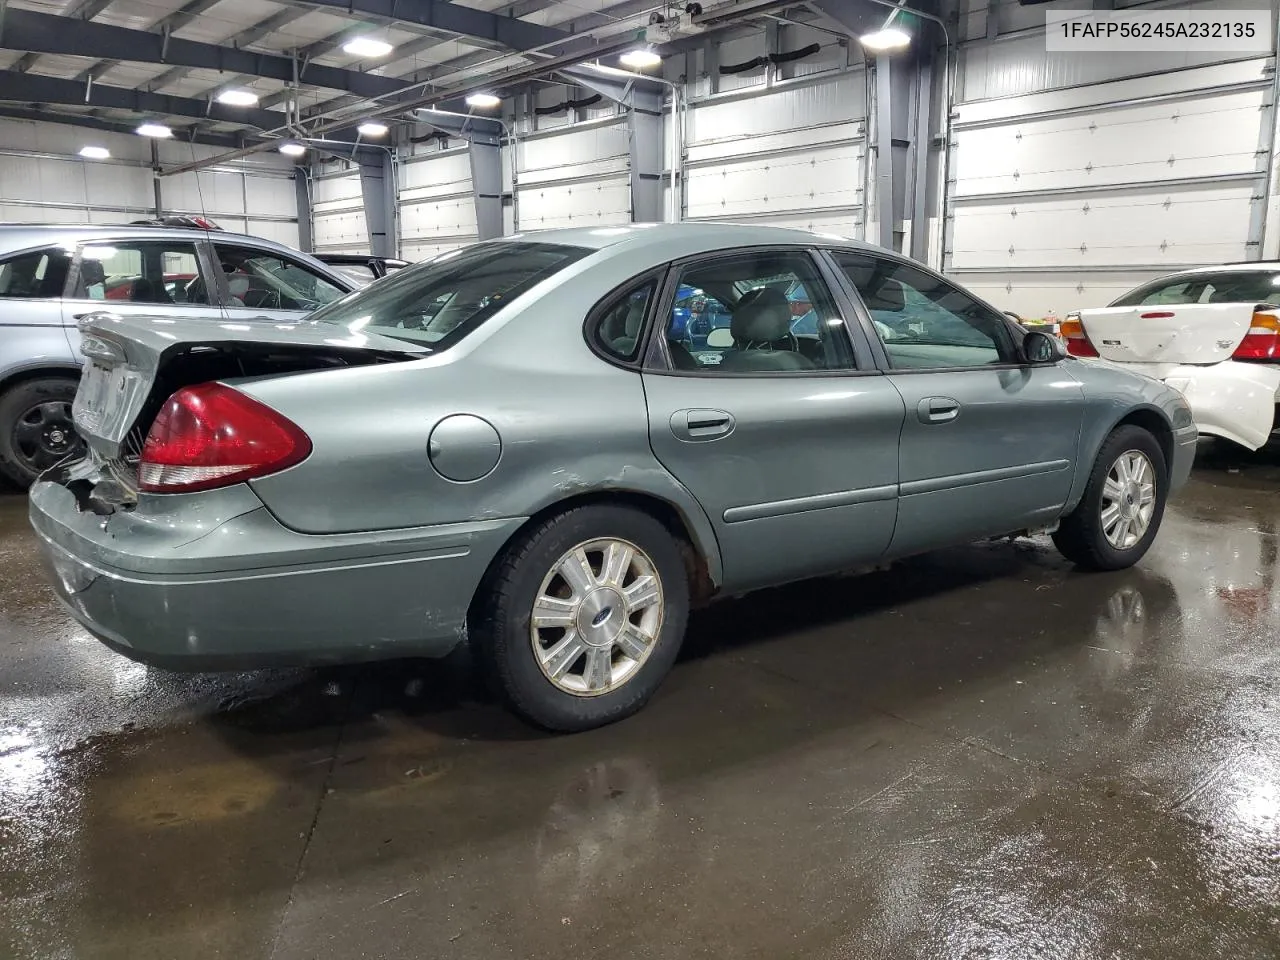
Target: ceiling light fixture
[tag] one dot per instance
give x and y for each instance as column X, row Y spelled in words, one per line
column 372, row 129
column 367, row 47
column 238, row 98
column 95, row 153
column 884, row 39
column 483, row 101
column 154, row 130
column 292, row 149
column 640, row 59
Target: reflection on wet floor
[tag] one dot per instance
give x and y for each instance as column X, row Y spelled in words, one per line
column 980, row 753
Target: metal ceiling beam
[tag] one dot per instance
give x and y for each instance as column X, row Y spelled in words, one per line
column 582, row 24
column 47, row 33
column 242, row 39
column 449, row 18
column 174, row 21
column 30, row 88
column 110, row 126
column 81, row 10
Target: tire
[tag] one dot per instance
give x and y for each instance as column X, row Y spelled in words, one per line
column 503, row 633
column 1081, row 536
column 34, row 414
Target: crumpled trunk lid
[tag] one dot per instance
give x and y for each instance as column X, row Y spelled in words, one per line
column 1168, row 333
column 130, row 358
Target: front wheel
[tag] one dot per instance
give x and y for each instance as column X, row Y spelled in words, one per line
column 583, row 616
column 36, row 430
column 1118, row 517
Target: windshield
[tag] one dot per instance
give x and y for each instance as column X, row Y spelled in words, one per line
column 439, row 302
column 1238, row 286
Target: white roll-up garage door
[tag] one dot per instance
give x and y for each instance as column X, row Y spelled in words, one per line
column 337, row 214
column 1066, row 198
column 574, row 178
column 790, row 157
column 437, row 209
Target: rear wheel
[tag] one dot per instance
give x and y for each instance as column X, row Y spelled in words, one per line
column 36, row 430
column 1118, row 517
column 583, row 617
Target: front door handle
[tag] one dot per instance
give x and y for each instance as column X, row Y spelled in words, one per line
column 693, row 425
column 938, row 410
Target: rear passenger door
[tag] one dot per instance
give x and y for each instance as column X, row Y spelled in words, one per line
column 989, row 441
column 788, row 440
column 141, row 277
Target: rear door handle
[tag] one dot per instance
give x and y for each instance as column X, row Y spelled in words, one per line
column 694, row 425
column 938, row 410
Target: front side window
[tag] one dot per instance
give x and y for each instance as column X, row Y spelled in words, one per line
column 756, row 313
column 439, row 302
column 1240, row 286
column 163, row 272
column 40, row 274
column 923, row 321
column 260, row 280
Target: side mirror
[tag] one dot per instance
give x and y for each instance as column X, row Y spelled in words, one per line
column 1040, row 347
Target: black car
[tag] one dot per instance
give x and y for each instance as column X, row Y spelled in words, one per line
column 361, row 268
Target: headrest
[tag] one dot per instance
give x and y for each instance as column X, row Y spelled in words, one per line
column 888, row 296
column 91, row 272
column 763, row 315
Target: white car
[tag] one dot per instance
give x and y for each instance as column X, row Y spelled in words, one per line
column 1212, row 333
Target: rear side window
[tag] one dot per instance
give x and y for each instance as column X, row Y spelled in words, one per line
column 1240, row 286
column 41, row 274
column 439, row 302
column 621, row 322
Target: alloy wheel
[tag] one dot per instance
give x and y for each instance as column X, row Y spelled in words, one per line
column 1128, row 499
column 596, row 617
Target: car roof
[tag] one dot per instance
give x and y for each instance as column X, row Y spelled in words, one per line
column 709, row 236
column 1245, row 266
column 20, row 236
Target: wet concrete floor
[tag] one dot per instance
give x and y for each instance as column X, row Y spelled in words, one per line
column 981, row 753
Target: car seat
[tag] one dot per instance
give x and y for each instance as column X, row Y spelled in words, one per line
column 148, row 291
column 761, row 329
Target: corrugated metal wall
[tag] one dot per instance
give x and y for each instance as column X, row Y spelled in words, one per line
column 44, row 180
column 1075, row 177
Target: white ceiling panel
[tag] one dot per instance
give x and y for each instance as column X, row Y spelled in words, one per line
column 51, row 65
column 226, row 19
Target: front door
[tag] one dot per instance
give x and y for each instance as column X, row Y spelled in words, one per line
column 989, row 442
column 265, row 283
column 788, row 442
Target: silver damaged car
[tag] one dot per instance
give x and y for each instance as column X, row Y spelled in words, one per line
column 550, row 446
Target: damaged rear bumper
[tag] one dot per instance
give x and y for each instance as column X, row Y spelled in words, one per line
column 1233, row 400
column 221, row 584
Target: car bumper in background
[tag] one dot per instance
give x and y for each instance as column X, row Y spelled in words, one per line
column 220, row 584
column 1233, row 400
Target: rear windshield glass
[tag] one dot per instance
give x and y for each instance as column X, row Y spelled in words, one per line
column 1242, row 286
column 439, row 302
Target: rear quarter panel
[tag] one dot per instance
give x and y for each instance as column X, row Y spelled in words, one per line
column 569, row 424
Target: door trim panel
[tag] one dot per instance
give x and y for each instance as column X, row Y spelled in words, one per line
column 934, row 484
column 821, row 501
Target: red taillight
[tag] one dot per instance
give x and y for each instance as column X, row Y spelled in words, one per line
column 1262, row 342
column 210, row 436
column 1078, row 345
